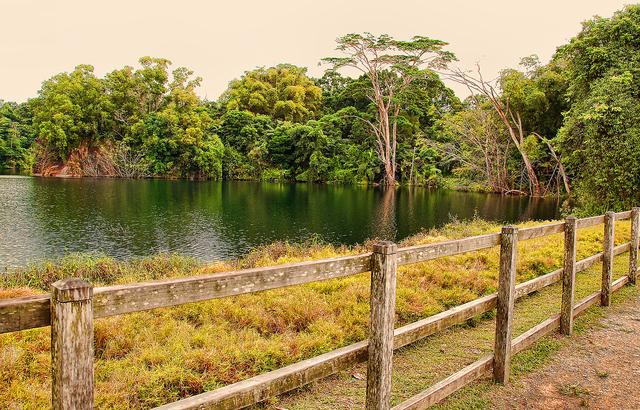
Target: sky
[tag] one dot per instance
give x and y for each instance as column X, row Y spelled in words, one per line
column 220, row 40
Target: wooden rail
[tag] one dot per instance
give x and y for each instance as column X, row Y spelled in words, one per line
column 74, row 304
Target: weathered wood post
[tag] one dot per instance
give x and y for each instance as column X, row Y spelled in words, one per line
column 635, row 242
column 568, row 276
column 383, row 302
column 505, row 304
column 71, row 345
column 607, row 258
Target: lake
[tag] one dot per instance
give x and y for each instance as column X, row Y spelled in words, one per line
column 49, row 217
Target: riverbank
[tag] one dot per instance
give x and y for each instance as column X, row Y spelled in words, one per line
column 443, row 182
column 150, row 358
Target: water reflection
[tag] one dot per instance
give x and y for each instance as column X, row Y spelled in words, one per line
column 383, row 225
column 42, row 218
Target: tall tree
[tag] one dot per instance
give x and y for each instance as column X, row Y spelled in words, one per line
column 391, row 66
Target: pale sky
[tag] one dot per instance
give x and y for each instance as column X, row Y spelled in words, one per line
column 220, row 40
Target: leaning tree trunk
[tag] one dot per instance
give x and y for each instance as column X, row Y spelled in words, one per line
column 531, row 173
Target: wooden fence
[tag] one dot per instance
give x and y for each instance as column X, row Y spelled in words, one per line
column 73, row 305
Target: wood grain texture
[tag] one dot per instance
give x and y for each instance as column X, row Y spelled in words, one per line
column 382, row 304
column 607, row 257
column 528, row 338
column 538, row 231
column 505, row 304
column 633, row 245
column 568, row 276
column 621, row 216
column 71, row 345
column 116, row 300
column 260, row 388
column 619, row 283
column 24, row 313
column 592, row 221
column 421, row 253
column 36, row 311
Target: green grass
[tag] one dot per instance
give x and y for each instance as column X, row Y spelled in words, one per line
column 151, row 358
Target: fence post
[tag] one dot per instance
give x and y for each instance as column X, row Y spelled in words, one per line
column 382, row 302
column 568, row 276
column 505, row 304
column 607, row 258
column 633, row 252
column 71, row 345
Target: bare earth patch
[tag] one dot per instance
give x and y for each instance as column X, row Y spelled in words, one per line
column 598, row 370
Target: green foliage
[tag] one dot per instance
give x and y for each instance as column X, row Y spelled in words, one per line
column 153, row 114
column 601, row 135
column 283, row 92
column 169, row 124
column 71, row 109
column 537, row 94
column 601, row 138
column 245, row 137
column 16, row 136
column 394, row 74
column 274, row 123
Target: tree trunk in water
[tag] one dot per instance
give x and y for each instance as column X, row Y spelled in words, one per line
column 389, row 174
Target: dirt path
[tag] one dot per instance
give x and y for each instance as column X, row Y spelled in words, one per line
column 599, row 370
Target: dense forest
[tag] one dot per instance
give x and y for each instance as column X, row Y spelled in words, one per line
column 571, row 126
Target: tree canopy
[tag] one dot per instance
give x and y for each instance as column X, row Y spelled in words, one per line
column 601, row 133
column 148, row 119
column 391, row 66
column 283, row 92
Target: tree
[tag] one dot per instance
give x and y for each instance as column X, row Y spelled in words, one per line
column 245, row 137
column 173, row 129
column 391, row 66
column 512, row 120
column 600, row 138
column 16, row 136
column 537, row 95
column 135, row 93
column 71, row 109
column 475, row 140
column 283, row 92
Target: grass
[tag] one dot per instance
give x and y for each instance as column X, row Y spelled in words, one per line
column 151, row 358
column 428, row 361
column 573, row 390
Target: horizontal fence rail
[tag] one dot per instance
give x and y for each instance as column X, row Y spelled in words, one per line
column 36, row 311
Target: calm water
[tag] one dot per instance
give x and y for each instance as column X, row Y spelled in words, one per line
column 43, row 218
